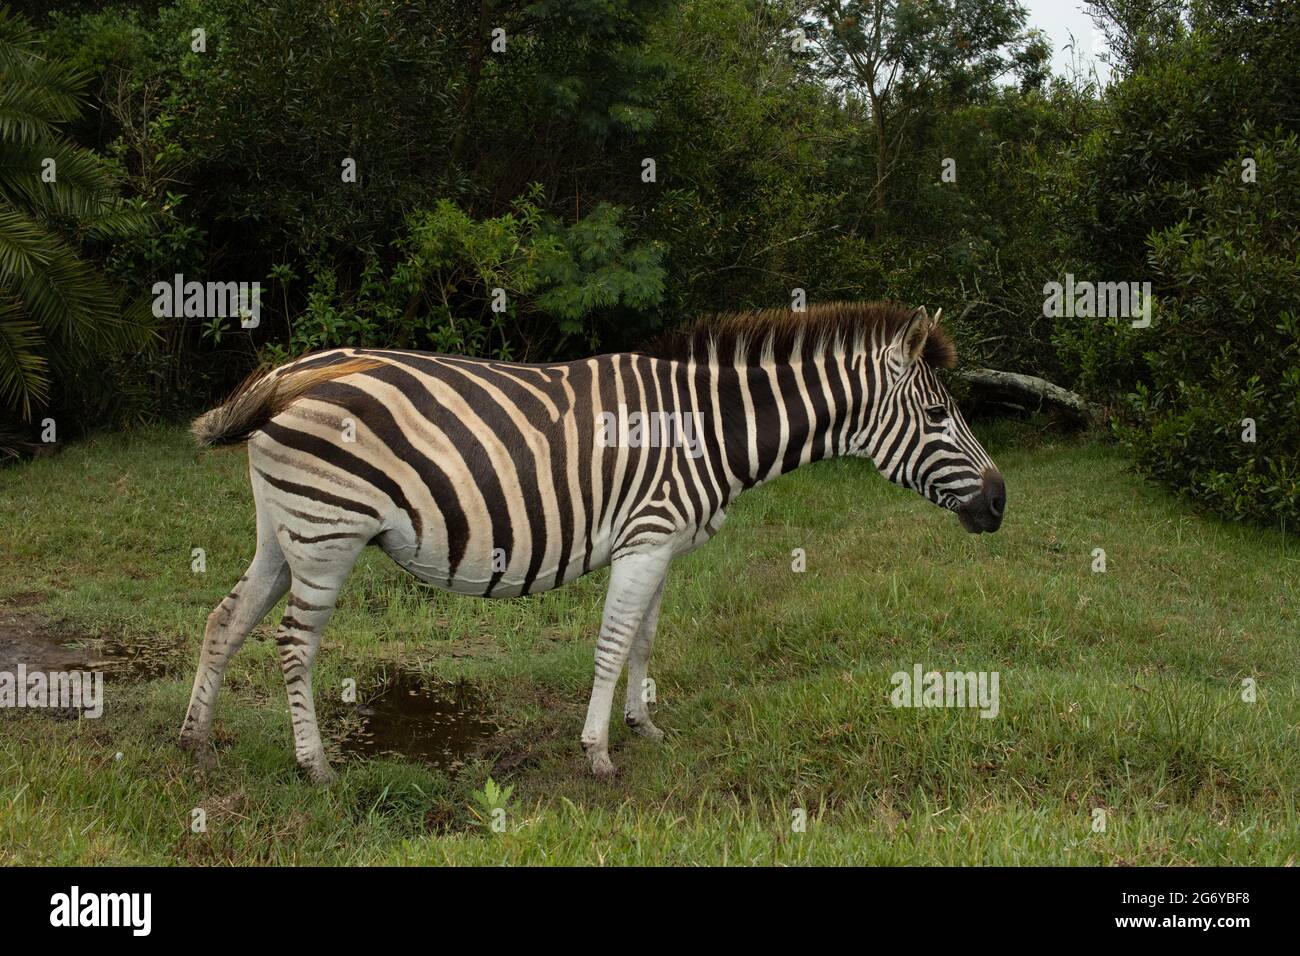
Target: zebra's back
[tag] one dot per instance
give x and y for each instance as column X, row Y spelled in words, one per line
column 482, row 477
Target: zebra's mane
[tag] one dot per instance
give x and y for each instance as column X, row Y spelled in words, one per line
column 775, row 334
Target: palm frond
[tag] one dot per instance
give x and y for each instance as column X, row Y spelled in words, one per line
column 84, row 186
column 122, row 222
column 59, row 314
column 25, row 247
column 24, row 378
column 72, row 303
column 50, row 89
column 17, row 38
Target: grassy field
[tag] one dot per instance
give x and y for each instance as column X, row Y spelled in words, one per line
column 1119, row 691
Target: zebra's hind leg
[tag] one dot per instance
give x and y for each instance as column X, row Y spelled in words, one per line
column 636, row 712
column 319, row 565
column 634, row 580
column 264, row 583
column 311, row 602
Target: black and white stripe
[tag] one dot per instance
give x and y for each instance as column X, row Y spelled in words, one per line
column 491, row 478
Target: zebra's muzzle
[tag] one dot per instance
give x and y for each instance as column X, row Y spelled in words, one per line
column 983, row 511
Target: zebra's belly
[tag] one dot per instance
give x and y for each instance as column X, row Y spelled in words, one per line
column 487, row 571
column 487, row 574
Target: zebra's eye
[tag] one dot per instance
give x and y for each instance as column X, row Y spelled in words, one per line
column 937, row 414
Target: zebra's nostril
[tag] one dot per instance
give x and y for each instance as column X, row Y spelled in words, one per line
column 994, row 493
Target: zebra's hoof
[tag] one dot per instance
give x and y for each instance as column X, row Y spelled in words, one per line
column 603, row 767
column 319, row 773
column 198, row 751
column 644, row 728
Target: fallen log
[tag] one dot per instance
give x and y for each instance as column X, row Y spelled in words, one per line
column 1030, row 387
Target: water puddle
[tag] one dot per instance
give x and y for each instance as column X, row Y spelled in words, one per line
column 39, row 645
column 403, row 716
column 400, row 714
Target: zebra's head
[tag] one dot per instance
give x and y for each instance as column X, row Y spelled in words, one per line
column 916, row 435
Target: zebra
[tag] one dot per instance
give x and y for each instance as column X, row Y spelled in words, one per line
column 500, row 479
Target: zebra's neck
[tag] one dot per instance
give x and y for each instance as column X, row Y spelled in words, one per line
column 762, row 420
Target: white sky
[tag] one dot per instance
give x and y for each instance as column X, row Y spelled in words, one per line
column 1058, row 19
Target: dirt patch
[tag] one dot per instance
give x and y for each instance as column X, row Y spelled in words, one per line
column 405, row 717
column 41, row 645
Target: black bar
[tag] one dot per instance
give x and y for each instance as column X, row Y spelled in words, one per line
column 337, row 905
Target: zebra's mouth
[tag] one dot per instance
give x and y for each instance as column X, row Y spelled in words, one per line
column 983, row 511
column 974, row 523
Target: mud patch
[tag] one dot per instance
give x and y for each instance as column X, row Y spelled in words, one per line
column 27, row 598
column 436, row 725
column 42, row 646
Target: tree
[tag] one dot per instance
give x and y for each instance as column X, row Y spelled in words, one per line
column 899, row 55
column 57, row 310
column 1138, row 30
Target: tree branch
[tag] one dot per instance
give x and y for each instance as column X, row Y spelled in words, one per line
column 1032, row 387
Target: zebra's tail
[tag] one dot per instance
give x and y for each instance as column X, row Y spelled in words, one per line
column 261, row 397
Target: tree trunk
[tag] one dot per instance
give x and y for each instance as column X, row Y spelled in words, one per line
column 477, row 53
column 1033, row 388
column 882, row 156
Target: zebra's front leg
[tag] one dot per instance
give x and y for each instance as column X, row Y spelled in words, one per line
column 634, row 580
column 636, row 713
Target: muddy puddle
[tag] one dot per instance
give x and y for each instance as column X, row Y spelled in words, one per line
column 42, row 646
column 403, row 716
column 400, row 714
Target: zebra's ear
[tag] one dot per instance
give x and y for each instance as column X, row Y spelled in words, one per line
column 911, row 340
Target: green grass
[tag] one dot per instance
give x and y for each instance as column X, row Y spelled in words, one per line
column 1119, row 690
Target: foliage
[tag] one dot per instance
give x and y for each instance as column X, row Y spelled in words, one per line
column 595, row 68
column 1224, row 360
column 59, row 314
column 283, row 95
column 491, row 802
column 750, row 208
column 984, row 241
column 458, row 281
column 1158, row 192
column 914, row 151
column 902, row 60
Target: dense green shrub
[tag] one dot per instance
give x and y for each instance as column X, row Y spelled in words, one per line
column 746, row 197
column 984, row 237
column 458, row 281
column 1155, row 193
column 1223, row 356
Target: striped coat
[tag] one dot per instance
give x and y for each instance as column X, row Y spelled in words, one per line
column 498, row 479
